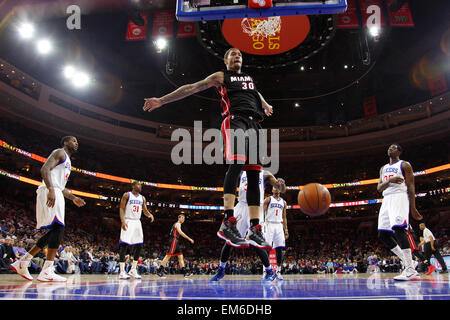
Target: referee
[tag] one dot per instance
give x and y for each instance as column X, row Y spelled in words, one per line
column 431, row 246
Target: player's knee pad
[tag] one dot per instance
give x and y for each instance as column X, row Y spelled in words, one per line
column 231, row 178
column 55, row 236
column 253, row 192
column 402, row 238
column 387, row 239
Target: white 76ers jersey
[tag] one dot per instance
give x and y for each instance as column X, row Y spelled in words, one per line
column 60, row 174
column 133, row 208
column 275, row 210
column 243, row 187
column 391, row 170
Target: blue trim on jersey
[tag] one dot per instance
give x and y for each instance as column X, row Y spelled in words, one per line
column 403, row 225
column 279, row 247
column 386, row 230
column 120, row 241
column 51, row 224
column 65, row 157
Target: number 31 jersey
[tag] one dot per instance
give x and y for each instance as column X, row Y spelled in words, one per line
column 133, row 208
column 392, row 170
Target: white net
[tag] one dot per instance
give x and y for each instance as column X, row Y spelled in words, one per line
column 262, row 27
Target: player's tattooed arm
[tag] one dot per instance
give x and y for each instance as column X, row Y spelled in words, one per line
column 213, row 80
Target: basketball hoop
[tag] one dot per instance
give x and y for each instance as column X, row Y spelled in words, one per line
column 261, row 26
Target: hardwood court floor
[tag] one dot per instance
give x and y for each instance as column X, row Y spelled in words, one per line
column 175, row 287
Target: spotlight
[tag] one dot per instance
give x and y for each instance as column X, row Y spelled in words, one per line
column 80, row 79
column 44, row 46
column 323, row 67
column 296, row 104
column 69, row 71
column 345, row 66
column 160, row 44
column 374, row 31
column 302, row 68
column 26, row 30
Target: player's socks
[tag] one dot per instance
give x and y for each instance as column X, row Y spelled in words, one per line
column 47, row 264
column 254, row 222
column 134, row 265
column 122, row 267
column 407, row 258
column 398, row 252
column 228, row 214
column 27, row 257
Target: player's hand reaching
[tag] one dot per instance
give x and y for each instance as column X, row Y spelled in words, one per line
column 152, row 104
column 151, row 217
column 78, row 202
column 191, row 241
column 415, row 214
column 268, row 109
column 281, row 185
column 124, row 226
column 396, row 179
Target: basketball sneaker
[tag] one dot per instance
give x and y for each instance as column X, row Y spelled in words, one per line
column 124, row 276
column 162, row 275
column 133, row 273
column 219, row 275
column 430, row 270
column 230, row 234
column 49, row 275
column 188, row 274
column 21, row 268
column 270, row 275
column 256, row 239
column 408, row 274
column 279, row 276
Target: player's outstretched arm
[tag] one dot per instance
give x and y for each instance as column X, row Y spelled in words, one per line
column 215, row 79
column 268, row 109
column 279, row 183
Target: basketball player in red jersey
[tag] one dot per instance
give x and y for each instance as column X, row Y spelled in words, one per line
column 174, row 249
column 243, row 108
column 397, row 185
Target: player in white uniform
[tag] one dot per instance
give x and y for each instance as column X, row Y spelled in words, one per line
column 241, row 219
column 275, row 219
column 131, row 234
column 50, row 210
column 397, row 185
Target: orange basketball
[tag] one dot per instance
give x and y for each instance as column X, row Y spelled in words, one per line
column 314, row 199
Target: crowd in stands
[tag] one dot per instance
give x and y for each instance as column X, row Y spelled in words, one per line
column 90, row 246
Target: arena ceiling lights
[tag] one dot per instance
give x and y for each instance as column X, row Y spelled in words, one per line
column 322, row 30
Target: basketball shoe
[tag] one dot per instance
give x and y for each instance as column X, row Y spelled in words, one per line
column 49, row 275
column 230, row 234
column 21, row 268
column 124, row 276
column 408, row 274
column 219, row 275
column 256, row 239
column 270, row 275
column 133, row 273
column 430, row 270
column 279, row 276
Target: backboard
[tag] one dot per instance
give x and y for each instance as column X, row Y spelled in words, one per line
column 198, row 10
